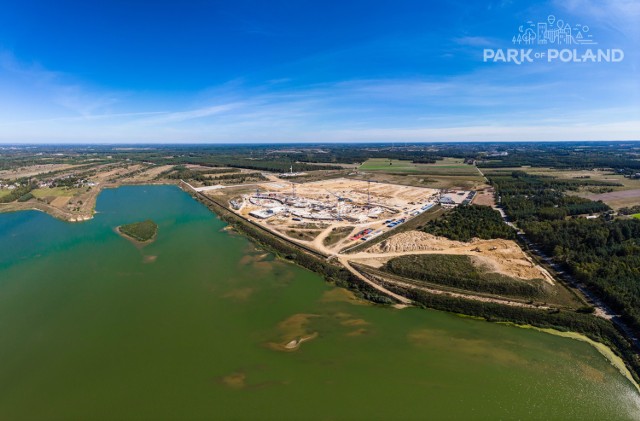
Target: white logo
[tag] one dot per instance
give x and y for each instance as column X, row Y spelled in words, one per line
column 553, row 32
column 572, row 40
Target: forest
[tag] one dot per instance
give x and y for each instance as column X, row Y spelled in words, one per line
column 590, row 155
column 603, row 253
column 140, row 231
column 533, row 197
column 467, row 222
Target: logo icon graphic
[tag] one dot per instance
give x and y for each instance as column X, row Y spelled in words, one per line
column 553, row 40
column 553, row 32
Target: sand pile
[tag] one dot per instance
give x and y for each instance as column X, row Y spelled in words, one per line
column 501, row 256
column 414, row 241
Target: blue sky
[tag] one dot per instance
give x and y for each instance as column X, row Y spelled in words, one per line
column 307, row 71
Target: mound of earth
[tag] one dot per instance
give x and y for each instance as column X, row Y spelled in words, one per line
column 500, row 256
column 414, row 241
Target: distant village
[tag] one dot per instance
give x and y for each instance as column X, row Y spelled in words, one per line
column 68, row 181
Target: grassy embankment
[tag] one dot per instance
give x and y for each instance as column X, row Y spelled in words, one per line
column 459, row 271
column 563, row 320
column 336, row 235
column 304, row 235
column 140, row 231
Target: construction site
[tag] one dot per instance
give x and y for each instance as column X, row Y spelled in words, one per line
column 365, row 226
column 360, row 210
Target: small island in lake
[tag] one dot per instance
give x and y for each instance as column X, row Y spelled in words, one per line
column 141, row 232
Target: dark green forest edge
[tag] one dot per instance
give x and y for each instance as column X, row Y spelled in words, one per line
column 467, row 222
column 143, row 232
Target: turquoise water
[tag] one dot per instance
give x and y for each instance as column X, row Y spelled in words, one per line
column 193, row 326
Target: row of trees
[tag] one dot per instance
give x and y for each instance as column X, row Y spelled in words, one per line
column 239, row 178
column 18, row 193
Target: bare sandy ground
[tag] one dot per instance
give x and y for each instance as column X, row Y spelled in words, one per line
column 485, row 197
column 150, row 174
column 33, row 170
column 501, row 256
column 393, row 195
column 55, row 212
column 617, row 199
column 293, row 331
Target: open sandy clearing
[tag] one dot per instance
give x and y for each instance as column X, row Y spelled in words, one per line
column 500, row 256
column 34, row 170
column 617, row 199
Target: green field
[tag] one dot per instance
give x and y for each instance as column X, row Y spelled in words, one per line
column 637, row 215
column 4, row 192
column 56, row 191
column 448, row 167
column 383, row 164
column 443, row 167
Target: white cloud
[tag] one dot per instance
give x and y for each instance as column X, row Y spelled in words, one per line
column 180, row 116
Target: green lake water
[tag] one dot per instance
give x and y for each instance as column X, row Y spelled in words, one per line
column 193, row 326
